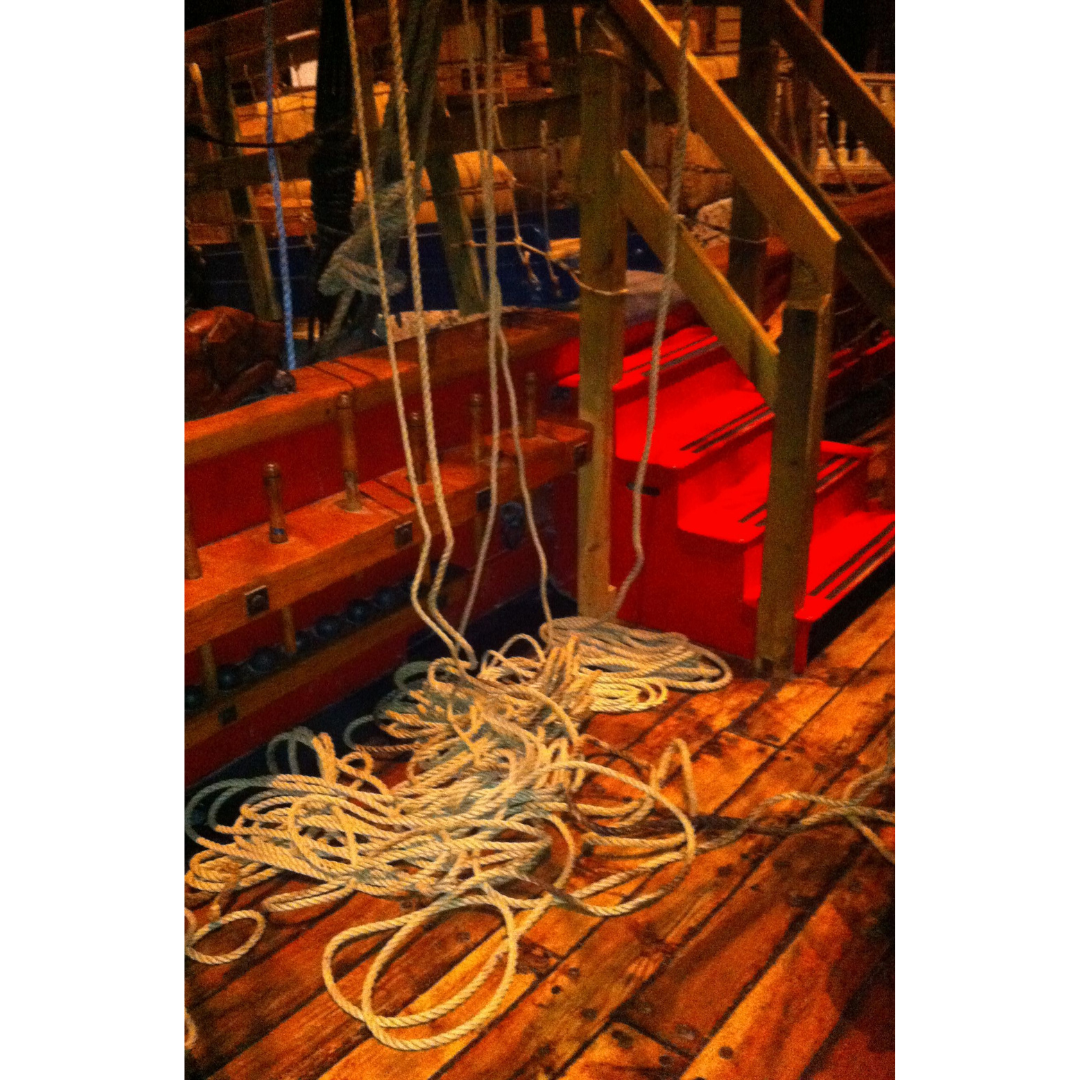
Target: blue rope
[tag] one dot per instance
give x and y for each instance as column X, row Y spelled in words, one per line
column 275, row 180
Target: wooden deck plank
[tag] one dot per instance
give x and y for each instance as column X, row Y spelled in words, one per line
column 621, row 1053
column 862, row 1045
column 284, row 972
column 273, row 1020
column 782, row 715
column 621, row 954
column 842, row 657
column 550, row 998
column 699, row 985
column 775, row 1031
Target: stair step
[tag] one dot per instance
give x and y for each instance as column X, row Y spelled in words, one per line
column 841, row 557
column 682, row 353
column 735, row 511
column 698, row 417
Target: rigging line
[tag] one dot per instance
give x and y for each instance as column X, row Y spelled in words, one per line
column 275, row 181
column 435, row 625
column 666, row 287
column 408, row 168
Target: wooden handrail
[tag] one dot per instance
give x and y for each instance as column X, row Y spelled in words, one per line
column 707, row 289
column 734, row 141
column 829, row 72
column 854, row 256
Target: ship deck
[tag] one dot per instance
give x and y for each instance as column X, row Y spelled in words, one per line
column 772, row 960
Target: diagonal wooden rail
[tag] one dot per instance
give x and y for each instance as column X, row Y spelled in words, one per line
column 707, row 289
column 829, row 72
column 732, row 138
column 855, row 259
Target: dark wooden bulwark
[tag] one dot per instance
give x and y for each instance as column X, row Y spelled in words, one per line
column 772, row 960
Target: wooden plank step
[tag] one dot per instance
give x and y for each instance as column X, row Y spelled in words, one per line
column 776, row 1029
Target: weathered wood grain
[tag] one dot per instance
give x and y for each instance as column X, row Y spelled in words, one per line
column 621, row 1053
column 693, row 992
column 274, row 1021
column 862, row 1045
column 775, row 1030
column 848, row 652
column 283, row 972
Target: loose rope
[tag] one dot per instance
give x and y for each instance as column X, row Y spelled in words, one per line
column 498, row 772
column 275, row 183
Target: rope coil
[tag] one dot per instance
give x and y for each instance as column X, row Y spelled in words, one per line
column 503, row 793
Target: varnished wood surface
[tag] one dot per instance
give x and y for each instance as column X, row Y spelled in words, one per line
column 770, row 961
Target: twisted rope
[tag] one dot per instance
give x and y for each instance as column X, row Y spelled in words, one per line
column 493, row 789
column 275, row 183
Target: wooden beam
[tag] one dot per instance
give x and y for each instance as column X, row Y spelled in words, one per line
column 603, row 267
column 706, row 288
column 835, row 79
column 734, row 141
column 455, row 225
column 249, row 233
column 518, row 123
column 755, row 95
column 562, row 49
column 854, row 257
column 805, row 350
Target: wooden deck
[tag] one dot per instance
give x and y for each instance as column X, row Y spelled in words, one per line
column 771, row 961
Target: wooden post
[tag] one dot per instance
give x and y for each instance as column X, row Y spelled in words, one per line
column 476, row 435
column 248, row 231
column 209, row 669
column 455, row 225
column 603, row 267
column 418, row 443
column 192, row 566
column 348, row 451
column 272, row 483
column 530, row 405
column 805, row 97
column 805, row 348
column 888, row 492
column 288, row 630
column 562, row 49
column 755, row 96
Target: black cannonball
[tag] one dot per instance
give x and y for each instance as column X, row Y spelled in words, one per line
column 329, row 626
column 359, row 612
column 193, row 697
column 229, row 676
column 263, row 660
column 305, row 639
column 385, row 599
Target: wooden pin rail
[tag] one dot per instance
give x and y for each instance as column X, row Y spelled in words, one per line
column 227, row 708
column 454, row 354
column 245, row 576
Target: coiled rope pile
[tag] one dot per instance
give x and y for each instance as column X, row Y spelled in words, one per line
column 505, row 794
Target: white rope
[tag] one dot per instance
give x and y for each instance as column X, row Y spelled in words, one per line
column 493, row 789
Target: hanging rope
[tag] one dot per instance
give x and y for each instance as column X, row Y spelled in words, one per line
column 275, row 183
column 502, row 779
